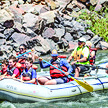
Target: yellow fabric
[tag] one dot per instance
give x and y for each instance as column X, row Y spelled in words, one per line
column 79, row 53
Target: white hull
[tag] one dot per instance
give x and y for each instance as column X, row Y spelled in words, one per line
column 16, row 91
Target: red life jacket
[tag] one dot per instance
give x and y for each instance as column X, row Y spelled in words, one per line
column 10, row 71
column 62, row 56
column 3, row 71
column 92, row 60
column 22, row 60
column 55, row 73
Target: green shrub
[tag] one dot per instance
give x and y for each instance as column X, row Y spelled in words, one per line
column 99, row 24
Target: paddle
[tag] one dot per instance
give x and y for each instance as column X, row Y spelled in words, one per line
column 95, row 67
column 23, row 53
column 84, row 85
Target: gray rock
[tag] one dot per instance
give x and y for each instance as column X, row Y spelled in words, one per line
column 77, row 26
column 89, row 32
column 5, row 15
column 76, row 9
column 93, row 2
column 49, row 16
column 39, row 26
column 52, row 44
column 29, row 20
column 48, row 33
column 67, row 24
column 2, row 36
column 59, row 32
column 2, row 28
column 68, row 37
column 79, row 34
column 87, row 37
column 44, row 9
column 27, row 8
column 96, row 39
column 72, row 45
column 30, row 32
column 17, row 13
column 20, row 38
column 18, row 26
column 2, row 41
column 104, row 45
column 70, row 30
column 8, row 33
column 44, row 45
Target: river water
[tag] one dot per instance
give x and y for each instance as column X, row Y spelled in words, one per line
column 97, row 99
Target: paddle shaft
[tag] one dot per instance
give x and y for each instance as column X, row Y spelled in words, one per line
column 23, row 53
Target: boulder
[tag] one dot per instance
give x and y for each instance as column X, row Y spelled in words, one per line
column 5, row 15
column 20, row 38
column 48, row 16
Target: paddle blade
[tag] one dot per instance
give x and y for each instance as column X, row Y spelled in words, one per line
column 84, row 85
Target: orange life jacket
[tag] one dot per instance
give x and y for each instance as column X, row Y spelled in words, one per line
column 55, row 73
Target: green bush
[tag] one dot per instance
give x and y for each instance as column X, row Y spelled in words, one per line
column 99, row 24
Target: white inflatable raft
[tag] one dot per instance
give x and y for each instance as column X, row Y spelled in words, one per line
column 16, row 91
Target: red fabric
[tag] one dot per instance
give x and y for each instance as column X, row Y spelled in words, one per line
column 62, row 56
column 3, row 71
column 55, row 72
column 92, row 60
column 26, row 78
column 16, row 72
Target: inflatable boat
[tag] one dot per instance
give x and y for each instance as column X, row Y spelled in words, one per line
column 15, row 91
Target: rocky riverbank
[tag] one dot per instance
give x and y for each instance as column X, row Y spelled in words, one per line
column 44, row 25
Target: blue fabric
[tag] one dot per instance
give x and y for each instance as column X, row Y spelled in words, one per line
column 61, row 80
column 54, row 55
column 63, row 62
column 33, row 73
column 28, row 83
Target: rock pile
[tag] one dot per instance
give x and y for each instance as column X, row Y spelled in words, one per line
column 44, row 25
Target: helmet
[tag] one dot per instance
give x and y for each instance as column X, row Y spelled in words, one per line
column 54, row 53
column 82, row 39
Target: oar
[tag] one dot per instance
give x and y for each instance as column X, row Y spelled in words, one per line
column 93, row 66
column 84, row 85
column 23, row 53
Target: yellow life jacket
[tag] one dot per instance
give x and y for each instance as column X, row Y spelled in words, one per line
column 78, row 54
